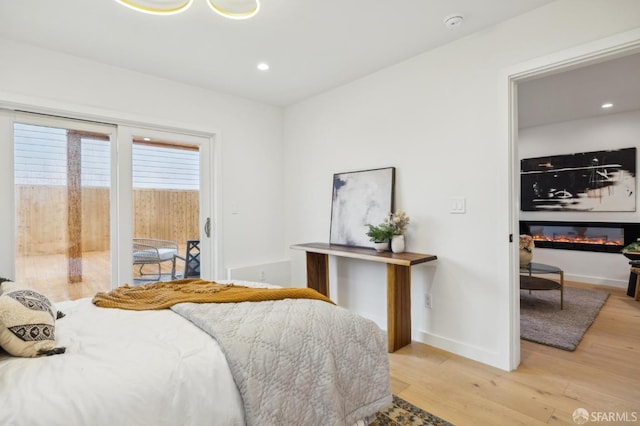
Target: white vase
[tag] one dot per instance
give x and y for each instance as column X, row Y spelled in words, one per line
column 380, row 247
column 397, row 243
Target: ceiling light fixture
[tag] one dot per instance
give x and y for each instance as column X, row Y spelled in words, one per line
column 233, row 9
column 263, row 66
column 606, row 105
column 157, row 7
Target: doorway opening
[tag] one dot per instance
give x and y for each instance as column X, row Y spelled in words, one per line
column 610, row 49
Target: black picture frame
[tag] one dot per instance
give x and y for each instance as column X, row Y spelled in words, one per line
column 597, row 181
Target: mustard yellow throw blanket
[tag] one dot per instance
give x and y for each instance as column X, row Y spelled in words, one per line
column 162, row 295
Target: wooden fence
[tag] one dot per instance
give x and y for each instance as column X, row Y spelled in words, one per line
column 42, row 217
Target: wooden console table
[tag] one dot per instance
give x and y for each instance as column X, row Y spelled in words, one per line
column 398, row 281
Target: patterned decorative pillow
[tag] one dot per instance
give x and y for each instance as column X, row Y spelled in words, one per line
column 27, row 323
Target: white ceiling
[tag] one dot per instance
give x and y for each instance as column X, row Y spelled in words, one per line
column 580, row 93
column 311, row 45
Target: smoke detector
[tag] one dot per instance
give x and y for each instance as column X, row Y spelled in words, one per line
column 453, row 21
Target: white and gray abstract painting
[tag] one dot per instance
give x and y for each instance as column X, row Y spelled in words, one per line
column 360, row 198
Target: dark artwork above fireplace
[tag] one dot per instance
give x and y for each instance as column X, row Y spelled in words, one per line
column 608, row 237
column 588, row 181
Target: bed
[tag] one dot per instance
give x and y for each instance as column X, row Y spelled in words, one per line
column 280, row 362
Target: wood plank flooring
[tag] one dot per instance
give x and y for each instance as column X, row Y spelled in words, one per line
column 601, row 375
column 48, row 274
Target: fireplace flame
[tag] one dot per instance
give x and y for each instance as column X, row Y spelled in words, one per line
column 562, row 238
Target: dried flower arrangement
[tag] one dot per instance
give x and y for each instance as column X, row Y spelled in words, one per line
column 398, row 222
column 526, row 243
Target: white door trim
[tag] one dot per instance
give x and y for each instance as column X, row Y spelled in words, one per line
column 601, row 50
column 208, row 245
column 7, row 189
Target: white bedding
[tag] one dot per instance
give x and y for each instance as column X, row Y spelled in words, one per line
column 121, row 368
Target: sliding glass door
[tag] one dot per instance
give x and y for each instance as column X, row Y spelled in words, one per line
column 171, row 226
column 86, row 202
column 62, row 195
column 166, row 209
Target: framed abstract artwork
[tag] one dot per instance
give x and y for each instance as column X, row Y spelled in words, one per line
column 603, row 181
column 360, row 198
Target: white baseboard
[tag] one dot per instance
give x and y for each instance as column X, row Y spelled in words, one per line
column 596, row 280
column 459, row 348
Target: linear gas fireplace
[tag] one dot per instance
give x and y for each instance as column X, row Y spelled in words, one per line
column 609, row 237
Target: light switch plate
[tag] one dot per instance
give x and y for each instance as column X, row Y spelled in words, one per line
column 458, row 205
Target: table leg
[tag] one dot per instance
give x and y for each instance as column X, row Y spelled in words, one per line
column 398, row 306
column 318, row 272
column 561, row 290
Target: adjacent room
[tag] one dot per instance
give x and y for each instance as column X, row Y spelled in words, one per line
column 270, row 212
column 577, row 150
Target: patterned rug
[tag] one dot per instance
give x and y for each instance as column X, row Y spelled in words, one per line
column 402, row 413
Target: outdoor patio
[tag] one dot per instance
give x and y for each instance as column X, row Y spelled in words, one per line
column 48, row 274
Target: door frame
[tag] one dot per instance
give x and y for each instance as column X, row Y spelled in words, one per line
column 8, row 217
column 598, row 51
column 12, row 103
column 124, row 212
column 7, row 186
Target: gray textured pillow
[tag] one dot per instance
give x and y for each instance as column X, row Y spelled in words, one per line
column 27, row 323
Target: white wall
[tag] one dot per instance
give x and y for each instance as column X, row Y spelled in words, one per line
column 436, row 118
column 250, row 132
column 611, row 131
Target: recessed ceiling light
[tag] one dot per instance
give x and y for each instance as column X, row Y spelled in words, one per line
column 606, row 105
column 263, row 66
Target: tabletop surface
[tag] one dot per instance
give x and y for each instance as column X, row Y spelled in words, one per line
column 541, row 268
column 405, row 258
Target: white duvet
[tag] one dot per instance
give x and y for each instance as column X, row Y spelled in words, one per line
column 121, row 368
column 127, row 368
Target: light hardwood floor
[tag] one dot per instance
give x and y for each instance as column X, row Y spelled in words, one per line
column 601, row 375
column 48, row 274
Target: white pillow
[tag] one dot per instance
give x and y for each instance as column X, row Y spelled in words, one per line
column 27, row 322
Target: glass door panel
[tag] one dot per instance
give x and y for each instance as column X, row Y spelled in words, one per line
column 166, row 209
column 62, row 178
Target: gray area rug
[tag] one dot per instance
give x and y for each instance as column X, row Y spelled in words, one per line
column 542, row 321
